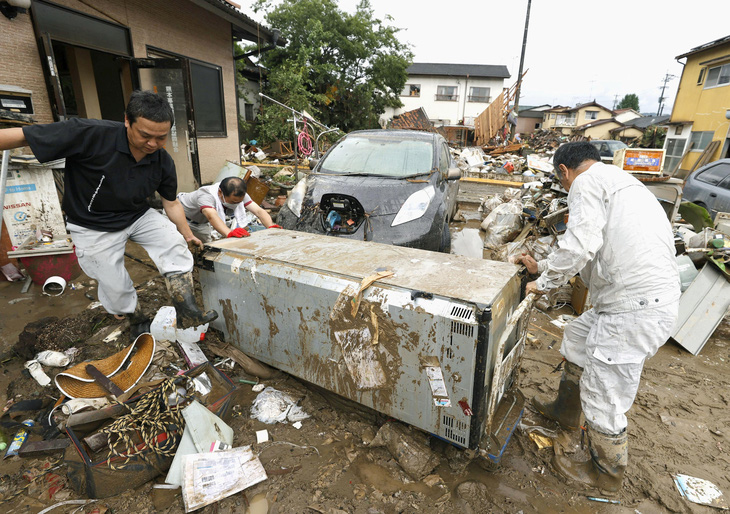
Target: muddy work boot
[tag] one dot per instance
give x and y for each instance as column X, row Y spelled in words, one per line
column 605, row 469
column 182, row 292
column 138, row 323
column 565, row 409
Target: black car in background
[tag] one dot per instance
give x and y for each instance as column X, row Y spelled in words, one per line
column 389, row 186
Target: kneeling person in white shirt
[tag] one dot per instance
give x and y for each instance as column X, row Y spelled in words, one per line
column 210, row 206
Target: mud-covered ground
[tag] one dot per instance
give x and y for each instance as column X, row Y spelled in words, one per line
column 679, row 424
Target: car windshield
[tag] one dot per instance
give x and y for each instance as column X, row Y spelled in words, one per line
column 616, row 145
column 379, row 156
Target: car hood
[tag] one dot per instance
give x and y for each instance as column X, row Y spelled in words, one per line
column 378, row 195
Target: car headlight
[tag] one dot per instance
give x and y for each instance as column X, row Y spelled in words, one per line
column 415, row 206
column 296, row 197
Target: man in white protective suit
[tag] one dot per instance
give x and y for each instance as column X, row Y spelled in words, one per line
column 619, row 239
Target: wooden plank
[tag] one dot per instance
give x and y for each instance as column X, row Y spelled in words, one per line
column 492, row 181
column 265, row 165
column 706, row 155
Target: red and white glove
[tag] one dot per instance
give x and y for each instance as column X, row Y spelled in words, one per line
column 238, row 232
column 274, row 226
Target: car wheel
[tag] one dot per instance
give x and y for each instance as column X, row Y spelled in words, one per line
column 445, row 245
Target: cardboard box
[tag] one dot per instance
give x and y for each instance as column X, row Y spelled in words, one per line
column 640, row 160
column 579, row 300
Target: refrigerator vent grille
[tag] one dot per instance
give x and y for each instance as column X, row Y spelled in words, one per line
column 461, row 312
column 462, row 329
column 454, row 430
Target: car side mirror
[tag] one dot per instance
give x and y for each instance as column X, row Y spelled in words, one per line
column 453, row 174
column 313, row 163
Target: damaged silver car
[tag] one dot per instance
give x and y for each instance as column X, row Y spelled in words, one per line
column 397, row 187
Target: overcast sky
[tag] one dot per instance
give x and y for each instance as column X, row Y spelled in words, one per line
column 577, row 50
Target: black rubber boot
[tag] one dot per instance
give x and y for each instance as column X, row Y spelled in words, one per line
column 605, row 470
column 138, row 323
column 565, row 409
column 182, row 291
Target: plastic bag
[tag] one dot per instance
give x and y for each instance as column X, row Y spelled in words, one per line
column 503, row 224
column 490, row 203
column 543, row 246
column 510, row 251
column 273, row 406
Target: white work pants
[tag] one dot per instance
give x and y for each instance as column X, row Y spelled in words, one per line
column 101, row 256
column 611, row 348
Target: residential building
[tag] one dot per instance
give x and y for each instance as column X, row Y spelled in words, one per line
column 529, row 118
column 701, row 111
column 450, row 93
column 625, row 115
column 568, row 119
column 75, row 58
column 635, row 127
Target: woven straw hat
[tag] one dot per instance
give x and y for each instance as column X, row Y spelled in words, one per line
column 123, row 368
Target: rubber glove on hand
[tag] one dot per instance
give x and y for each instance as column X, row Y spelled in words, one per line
column 274, row 226
column 238, row 232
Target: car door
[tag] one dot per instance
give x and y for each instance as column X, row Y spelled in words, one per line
column 721, row 202
column 711, row 187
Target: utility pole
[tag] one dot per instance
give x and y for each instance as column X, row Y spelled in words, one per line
column 615, row 102
column 519, row 74
column 667, row 78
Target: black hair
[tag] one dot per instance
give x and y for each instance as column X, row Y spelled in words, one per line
column 573, row 154
column 233, row 186
column 150, row 106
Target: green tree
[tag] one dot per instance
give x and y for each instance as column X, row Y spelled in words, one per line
column 653, row 137
column 344, row 69
column 630, row 101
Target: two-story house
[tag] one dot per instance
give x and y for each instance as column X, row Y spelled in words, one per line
column 74, row 58
column 701, row 111
column 589, row 119
column 450, row 93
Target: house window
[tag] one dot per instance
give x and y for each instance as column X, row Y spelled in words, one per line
column 479, row 94
column 701, row 77
column 446, row 94
column 412, row 90
column 591, row 115
column 718, row 76
column 552, row 116
column 678, row 130
column 248, row 112
column 566, row 119
column 675, row 148
column 207, row 82
column 701, row 139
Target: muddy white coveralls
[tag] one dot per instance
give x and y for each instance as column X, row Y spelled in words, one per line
column 619, row 239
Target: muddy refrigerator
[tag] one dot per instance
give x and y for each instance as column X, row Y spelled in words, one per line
column 431, row 339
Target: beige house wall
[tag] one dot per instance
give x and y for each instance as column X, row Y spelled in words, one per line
column 602, row 131
column 602, row 115
column 175, row 26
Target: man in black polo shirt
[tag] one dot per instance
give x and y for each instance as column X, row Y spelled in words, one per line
column 111, row 169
